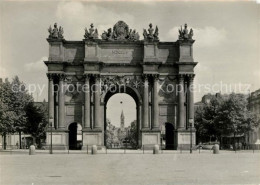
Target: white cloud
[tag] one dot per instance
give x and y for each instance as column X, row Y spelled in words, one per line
column 3, row 72
column 256, row 73
column 75, row 16
column 205, row 37
column 200, row 68
column 37, row 66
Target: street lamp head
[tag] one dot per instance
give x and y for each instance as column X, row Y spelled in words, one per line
column 191, row 121
column 50, row 120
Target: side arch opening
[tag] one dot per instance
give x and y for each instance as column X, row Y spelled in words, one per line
column 75, row 136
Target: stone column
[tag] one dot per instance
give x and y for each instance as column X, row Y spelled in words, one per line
column 155, row 103
column 87, row 103
column 61, row 100
column 97, row 115
column 181, row 108
column 146, row 103
column 191, row 98
column 51, row 98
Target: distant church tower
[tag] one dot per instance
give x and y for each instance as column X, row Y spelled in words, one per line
column 122, row 120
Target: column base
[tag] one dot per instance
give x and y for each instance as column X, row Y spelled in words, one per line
column 182, row 139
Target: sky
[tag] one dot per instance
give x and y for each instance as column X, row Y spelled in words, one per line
column 227, row 34
column 118, row 103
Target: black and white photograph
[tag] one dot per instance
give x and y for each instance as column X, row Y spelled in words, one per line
column 145, row 92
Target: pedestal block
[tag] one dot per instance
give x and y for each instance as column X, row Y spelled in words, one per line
column 150, row 138
column 59, row 139
column 91, row 138
column 182, row 139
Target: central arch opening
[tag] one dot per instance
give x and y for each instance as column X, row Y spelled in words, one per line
column 121, row 120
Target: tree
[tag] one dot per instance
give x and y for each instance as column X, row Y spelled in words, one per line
column 110, row 133
column 237, row 118
column 7, row 114
column 36, row 122
column 206, row 120
column 6, row 121
column 224, row 117
column 132, row 135
column 200, row 125
column 13, row 98
column 21, row 99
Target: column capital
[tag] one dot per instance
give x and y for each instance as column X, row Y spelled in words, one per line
column 51, row 75
column 155, row 76
column 146, row 76
column 190, row 77
column 86, row 76
column 181, row 77
column 96, row 76
column 61, row 76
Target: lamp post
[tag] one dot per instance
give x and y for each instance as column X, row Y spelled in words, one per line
column 191, row 123
column 50, row 123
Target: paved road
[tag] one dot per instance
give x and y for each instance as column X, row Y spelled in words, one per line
column 204, row 168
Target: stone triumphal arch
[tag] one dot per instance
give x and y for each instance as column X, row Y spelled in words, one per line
column 84, row 74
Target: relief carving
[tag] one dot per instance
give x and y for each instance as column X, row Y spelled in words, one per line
column 167, row 88
column 110, row 82
column 121, row 32
column 72, row 93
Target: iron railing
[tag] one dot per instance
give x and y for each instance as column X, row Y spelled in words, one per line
column 144, row 149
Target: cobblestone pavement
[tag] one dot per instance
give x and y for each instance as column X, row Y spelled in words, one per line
column 175, row 168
